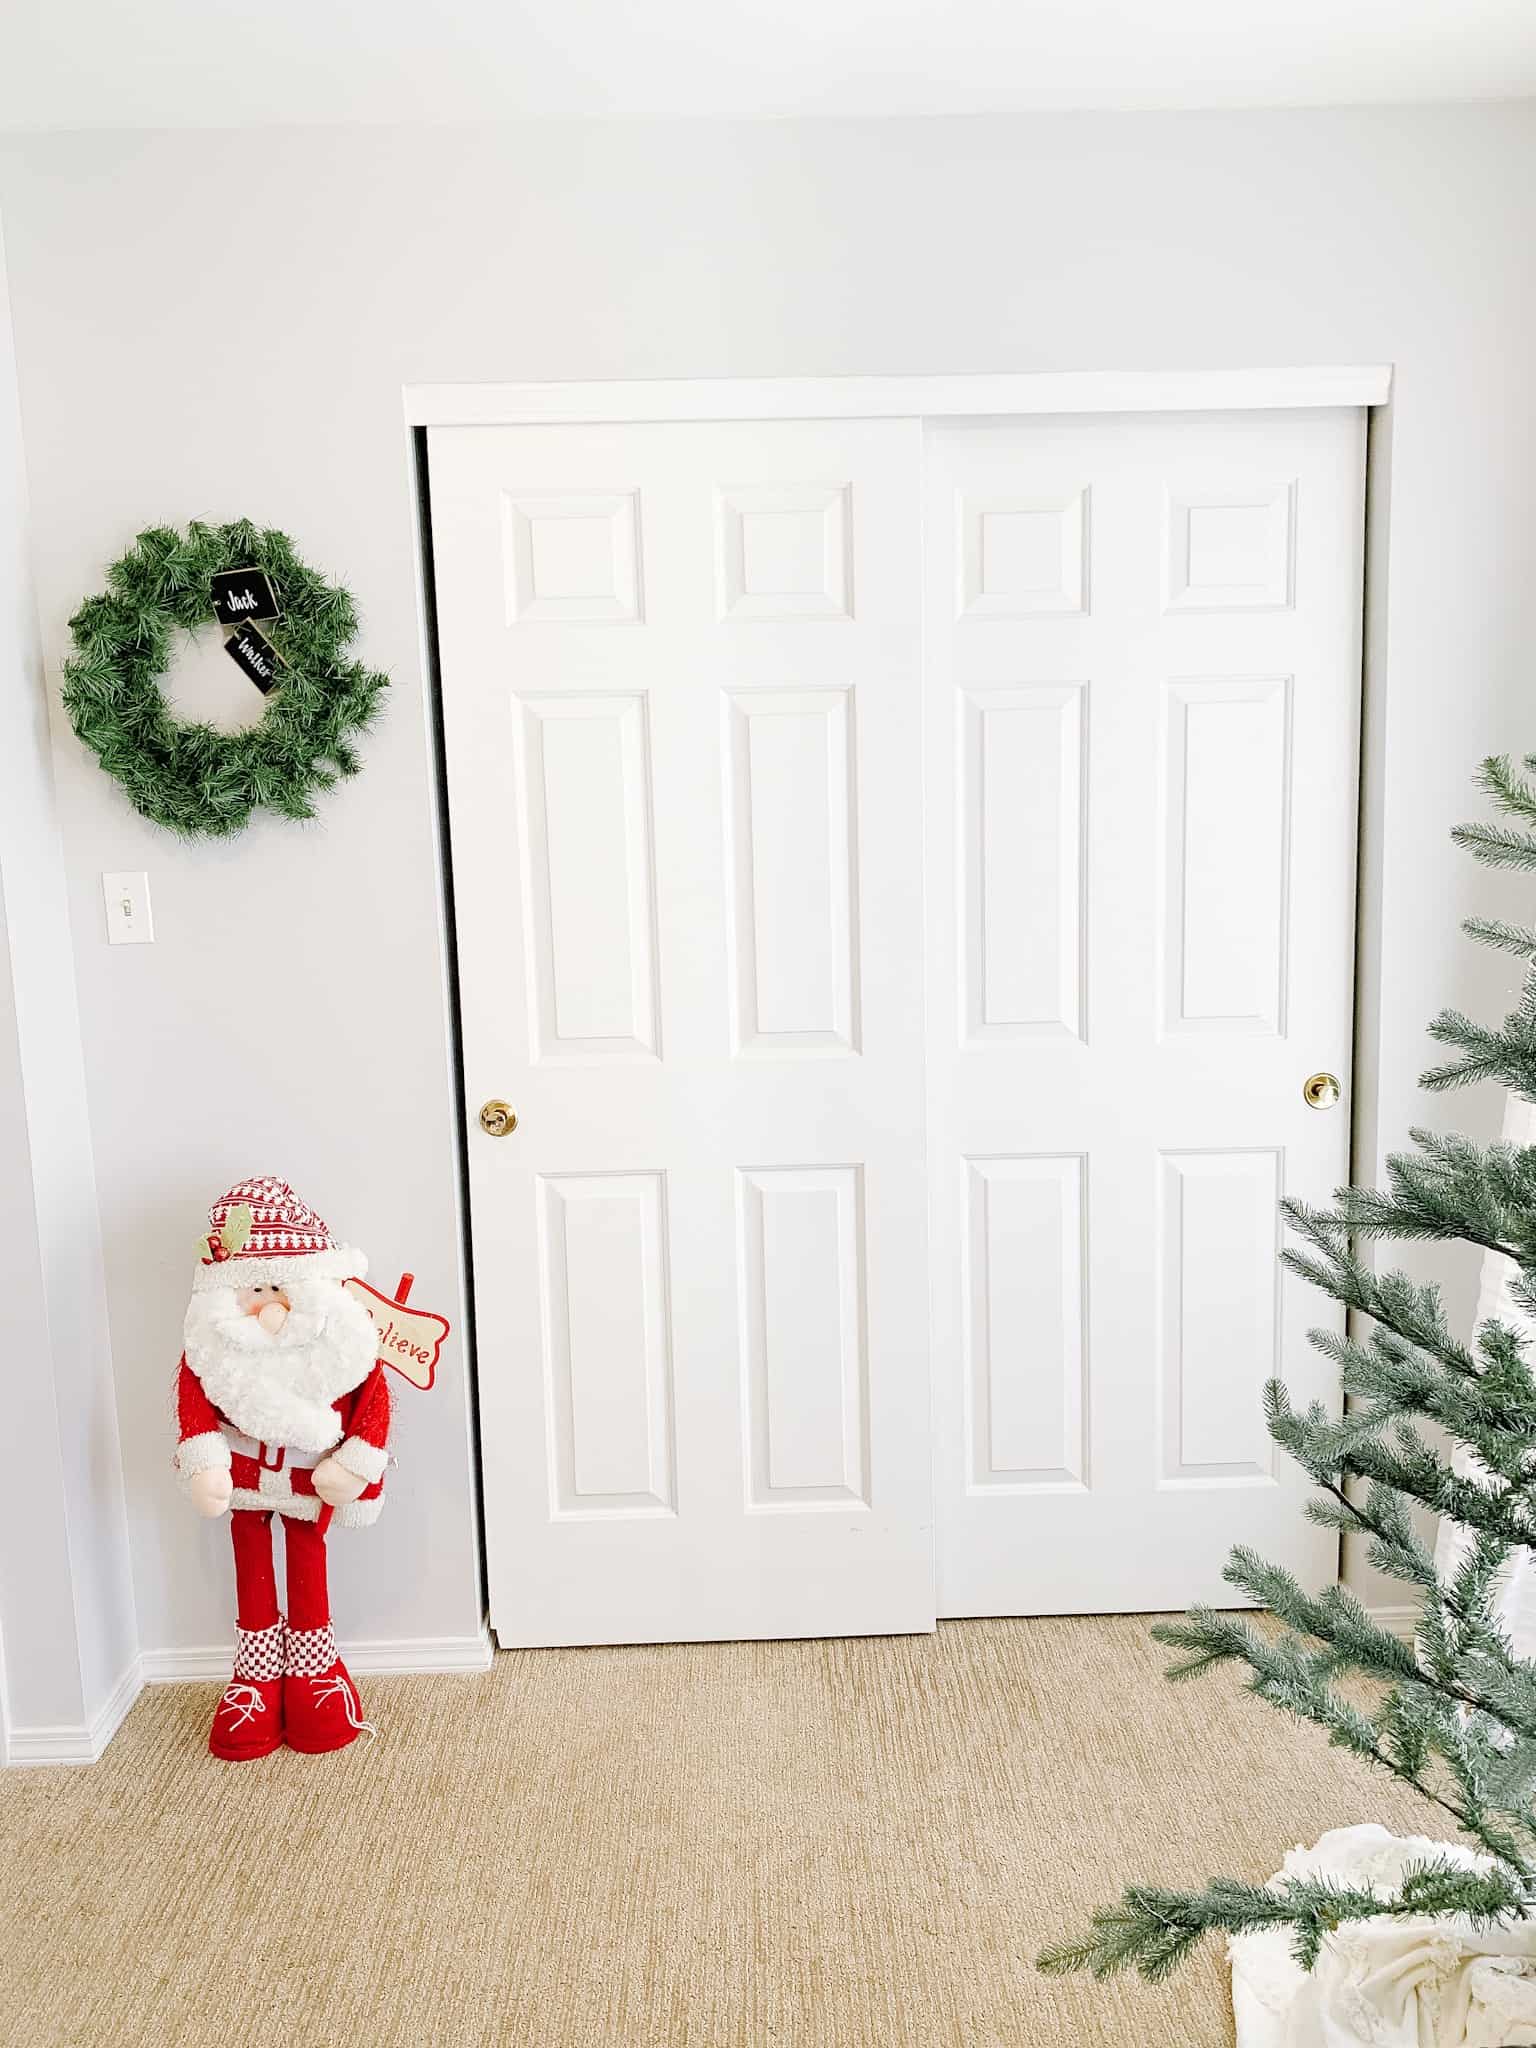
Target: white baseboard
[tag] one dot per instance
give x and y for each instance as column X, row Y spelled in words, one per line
column 1397, row 1621
column 67, row 1742
column 82, row 1743
column 390, row 1658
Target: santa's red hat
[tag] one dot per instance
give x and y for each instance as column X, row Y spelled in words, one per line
column 261, row 1234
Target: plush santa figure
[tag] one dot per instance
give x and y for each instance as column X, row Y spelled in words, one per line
column 282, row 1409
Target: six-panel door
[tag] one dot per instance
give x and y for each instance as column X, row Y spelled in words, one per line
column 682, row 694
column 721, row 701
column 1143, row 660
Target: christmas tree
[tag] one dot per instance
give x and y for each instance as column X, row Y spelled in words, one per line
column 1453, row 1714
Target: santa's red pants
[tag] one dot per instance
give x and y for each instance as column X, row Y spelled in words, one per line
column 309, row 1601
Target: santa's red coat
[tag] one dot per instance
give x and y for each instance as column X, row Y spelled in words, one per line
column 275, row 1475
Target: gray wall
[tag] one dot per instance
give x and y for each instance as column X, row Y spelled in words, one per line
column 211, row 324
column 66, row 1597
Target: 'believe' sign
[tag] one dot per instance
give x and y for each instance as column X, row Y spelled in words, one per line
column 409, row 1339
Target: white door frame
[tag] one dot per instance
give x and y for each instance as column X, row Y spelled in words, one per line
column 1008, row 394
column 863, row 398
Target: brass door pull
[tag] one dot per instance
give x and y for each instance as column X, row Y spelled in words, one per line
column 497, row 1119
column 1321, row 1091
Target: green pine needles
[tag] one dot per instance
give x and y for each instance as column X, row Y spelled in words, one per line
column 188, row 777
column 1453, row 1715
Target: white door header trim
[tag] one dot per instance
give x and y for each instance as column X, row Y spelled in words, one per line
column 807, row 398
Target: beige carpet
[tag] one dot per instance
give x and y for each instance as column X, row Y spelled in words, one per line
column 831, row 1845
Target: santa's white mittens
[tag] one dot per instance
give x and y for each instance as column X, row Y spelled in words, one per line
column 364, row 1459
column 335, row 1485
column 210, row 1492
column 202, row 1464
column 205, row 1453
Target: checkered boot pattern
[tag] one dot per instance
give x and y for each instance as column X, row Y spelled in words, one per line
column 321, row 1709
column 248, row 1721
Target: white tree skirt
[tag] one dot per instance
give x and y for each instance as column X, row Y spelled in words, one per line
column 1420, row 1983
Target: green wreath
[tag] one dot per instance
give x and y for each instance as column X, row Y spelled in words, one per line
column 186, row 776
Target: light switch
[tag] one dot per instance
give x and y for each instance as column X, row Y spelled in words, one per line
column 129, row 922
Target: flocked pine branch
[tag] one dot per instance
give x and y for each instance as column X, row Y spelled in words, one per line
column 1453, row 1714
column 1153, row 1930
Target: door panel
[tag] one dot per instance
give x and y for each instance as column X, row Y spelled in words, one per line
column 682, row 706
column 1142, row 689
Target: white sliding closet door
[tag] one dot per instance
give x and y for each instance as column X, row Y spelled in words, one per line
column 723, row 704
column 1143, row 656
column 682, row 698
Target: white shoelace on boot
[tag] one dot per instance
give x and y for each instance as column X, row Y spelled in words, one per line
column 242, row 1703
column 327, row 1689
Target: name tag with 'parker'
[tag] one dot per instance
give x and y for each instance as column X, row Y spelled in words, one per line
column 252, row 651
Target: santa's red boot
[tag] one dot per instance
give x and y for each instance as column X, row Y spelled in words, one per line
column 321, row 1709
column 248, row 1721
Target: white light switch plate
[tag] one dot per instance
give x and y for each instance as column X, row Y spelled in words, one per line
column 129, row 921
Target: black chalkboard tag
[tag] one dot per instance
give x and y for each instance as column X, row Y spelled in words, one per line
column 257, row 656
column 242, row 594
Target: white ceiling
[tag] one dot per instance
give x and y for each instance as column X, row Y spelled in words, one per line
column 236, row 63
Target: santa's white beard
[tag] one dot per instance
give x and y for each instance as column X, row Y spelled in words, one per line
column 279, row 1389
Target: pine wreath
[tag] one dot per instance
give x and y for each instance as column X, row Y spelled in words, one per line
column 187, row 776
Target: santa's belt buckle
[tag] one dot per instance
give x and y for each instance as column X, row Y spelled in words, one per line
column 269, row 1464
